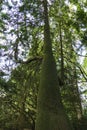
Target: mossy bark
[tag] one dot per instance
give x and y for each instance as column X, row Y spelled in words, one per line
column 50, row 112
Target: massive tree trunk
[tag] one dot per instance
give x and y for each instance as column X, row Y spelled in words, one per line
column 50, row 112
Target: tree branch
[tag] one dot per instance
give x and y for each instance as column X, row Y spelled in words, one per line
column 37, row 58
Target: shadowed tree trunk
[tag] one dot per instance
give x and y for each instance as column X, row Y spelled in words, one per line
column 50, row 112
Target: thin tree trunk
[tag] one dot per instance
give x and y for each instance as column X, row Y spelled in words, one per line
column 61, row 50
column 50, row 112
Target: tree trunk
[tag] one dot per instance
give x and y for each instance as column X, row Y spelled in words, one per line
column 50, row 112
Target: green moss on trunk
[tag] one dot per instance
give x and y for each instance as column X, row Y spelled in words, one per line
column 50, row 115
